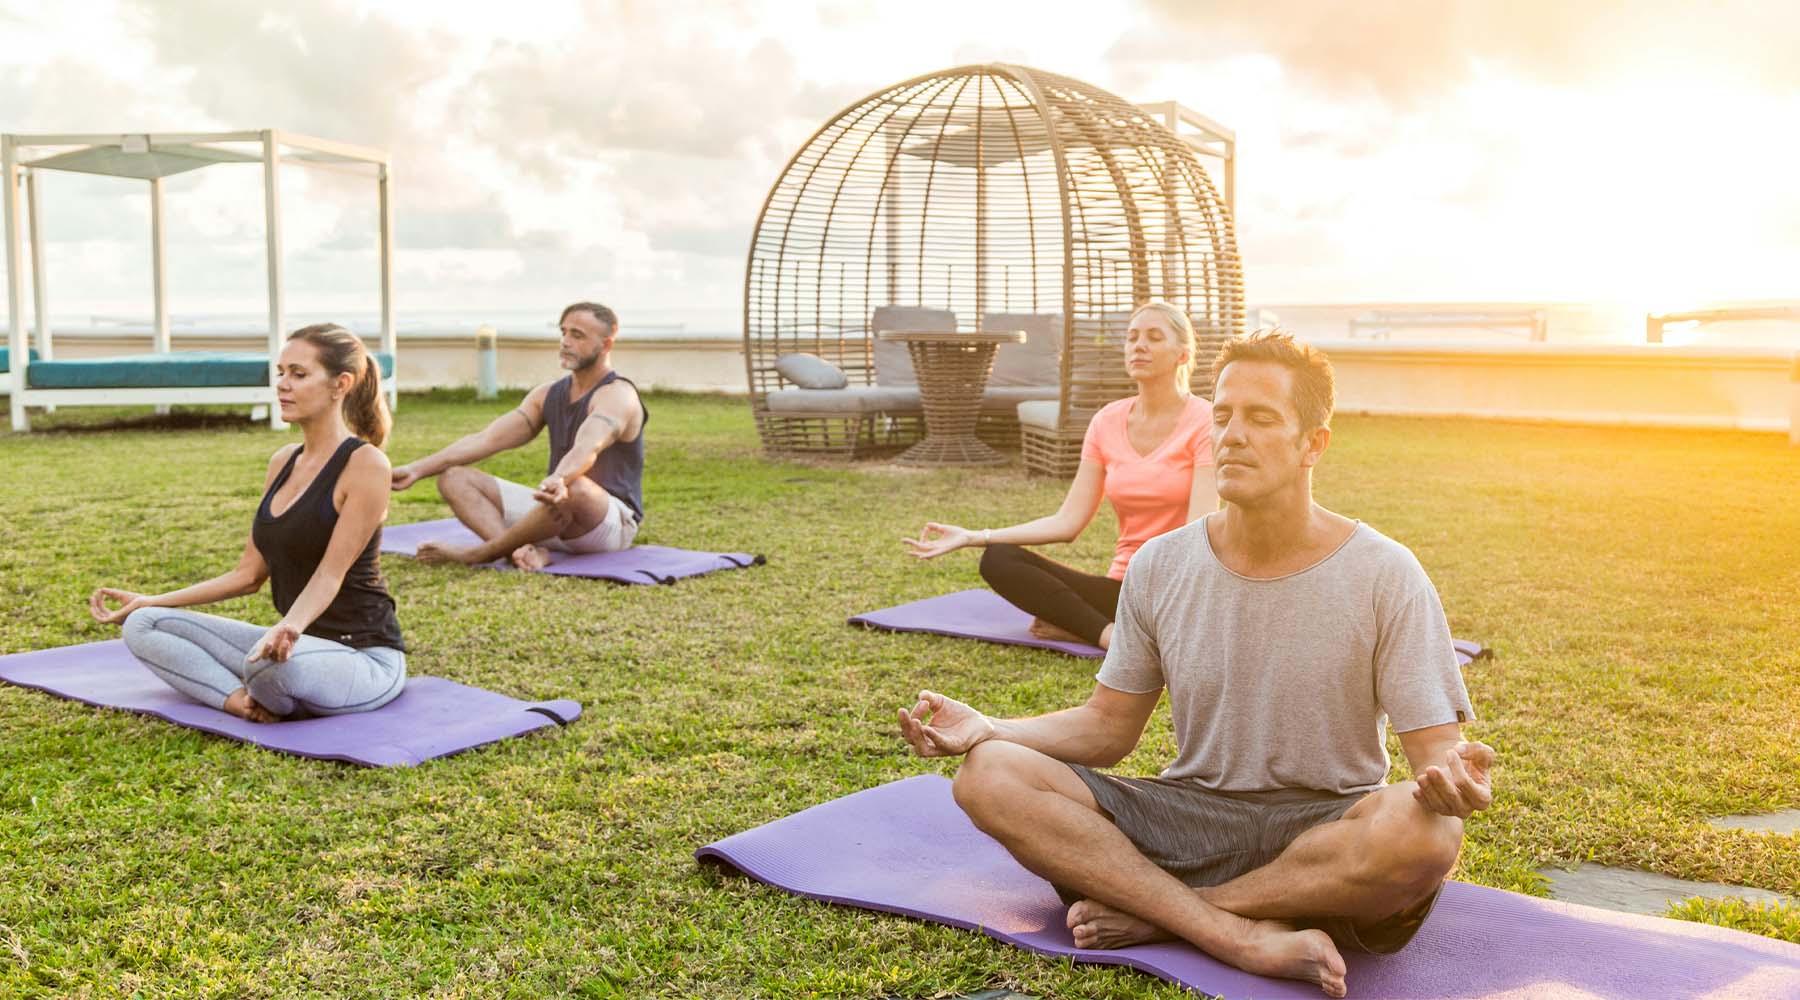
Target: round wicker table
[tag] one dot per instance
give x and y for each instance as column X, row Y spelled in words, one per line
column 953, row 370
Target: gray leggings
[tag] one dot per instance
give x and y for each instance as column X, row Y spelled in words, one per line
column 202, row 656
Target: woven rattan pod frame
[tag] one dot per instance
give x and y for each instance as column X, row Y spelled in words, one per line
column 984, row 193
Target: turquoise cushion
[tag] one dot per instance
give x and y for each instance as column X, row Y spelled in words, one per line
column 176, row 370
column 6, row 358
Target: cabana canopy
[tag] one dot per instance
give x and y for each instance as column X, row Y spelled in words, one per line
column 983, row 198
column 152, row 157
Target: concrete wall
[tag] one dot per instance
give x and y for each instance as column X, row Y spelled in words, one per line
column 654, row 361
column 1743, row 388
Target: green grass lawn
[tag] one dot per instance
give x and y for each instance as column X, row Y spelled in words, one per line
column 1642, row 589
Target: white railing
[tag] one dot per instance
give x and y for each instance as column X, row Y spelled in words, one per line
column 1382, row 322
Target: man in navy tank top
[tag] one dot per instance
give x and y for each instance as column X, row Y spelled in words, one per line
column 592, row 497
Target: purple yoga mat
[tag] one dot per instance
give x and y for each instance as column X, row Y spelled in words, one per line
column 970, row 614
column 637, row 564
column 1468, row 652
column 985, row 615
column 432, row 717
column 906, row 848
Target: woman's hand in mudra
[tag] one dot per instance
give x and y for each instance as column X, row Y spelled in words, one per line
column 128, row 602
column 275, row 645
column 937, row 539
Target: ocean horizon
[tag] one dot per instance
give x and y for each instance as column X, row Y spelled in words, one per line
column 1398, row 322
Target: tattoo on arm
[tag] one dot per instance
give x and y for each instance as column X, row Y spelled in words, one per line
column 530, row 424
column 617, row 427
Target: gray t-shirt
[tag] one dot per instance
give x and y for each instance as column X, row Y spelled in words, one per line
column 1286, row 682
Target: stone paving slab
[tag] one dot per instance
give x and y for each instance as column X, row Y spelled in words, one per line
column 1632, row 891
column 1781, row 823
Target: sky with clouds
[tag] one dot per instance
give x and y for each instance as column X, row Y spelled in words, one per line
column 1420, row 150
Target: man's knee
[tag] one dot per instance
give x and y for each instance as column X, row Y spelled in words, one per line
column 997, row 779
column 1407, row 846
column 456, row 480
column 587, row 502
column 990, row 771
column 587, row 507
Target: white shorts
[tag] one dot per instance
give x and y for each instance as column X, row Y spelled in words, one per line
column 614, row 532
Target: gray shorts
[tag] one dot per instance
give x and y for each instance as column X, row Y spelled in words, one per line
column 1205, row 837
column 614, row 532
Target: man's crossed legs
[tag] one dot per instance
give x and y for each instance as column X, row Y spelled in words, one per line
column 1365, row 879
column 513, row 524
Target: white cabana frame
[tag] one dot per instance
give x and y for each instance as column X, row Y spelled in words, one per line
column 151, row 157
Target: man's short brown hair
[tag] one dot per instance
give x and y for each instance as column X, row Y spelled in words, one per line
column 598, row 311
column 1315, row 389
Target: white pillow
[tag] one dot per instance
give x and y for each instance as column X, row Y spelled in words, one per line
column 809, row 371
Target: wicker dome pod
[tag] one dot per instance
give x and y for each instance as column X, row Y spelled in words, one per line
column 985, row 197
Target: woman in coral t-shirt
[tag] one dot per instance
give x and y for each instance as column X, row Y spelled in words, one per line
column 1150, row 454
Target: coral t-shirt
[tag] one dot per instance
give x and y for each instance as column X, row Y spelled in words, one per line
column 1149, row 493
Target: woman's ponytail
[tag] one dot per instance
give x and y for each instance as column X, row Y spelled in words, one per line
column 365, row 408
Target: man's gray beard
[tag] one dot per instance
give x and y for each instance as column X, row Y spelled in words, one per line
column 581, row 366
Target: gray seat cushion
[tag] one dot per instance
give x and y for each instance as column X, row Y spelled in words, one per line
column 1043, row 414
column 852, row 401
column 869, row 399
column 1006, row 398
column 809, row 371
column 893, row 364
column 1038, row 361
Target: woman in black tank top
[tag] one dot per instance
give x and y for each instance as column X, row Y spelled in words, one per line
column 316, row 538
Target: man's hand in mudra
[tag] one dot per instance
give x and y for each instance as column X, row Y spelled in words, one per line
column 943, row 727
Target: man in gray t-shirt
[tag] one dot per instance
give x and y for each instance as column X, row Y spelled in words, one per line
column 1287, row 637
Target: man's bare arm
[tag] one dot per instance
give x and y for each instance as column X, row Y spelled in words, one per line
column 610, row 417
column 596, row 434
column 1099, row 733
column 509, row 430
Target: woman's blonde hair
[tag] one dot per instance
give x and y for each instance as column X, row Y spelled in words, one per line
column 1184, row 328
column 342, row 353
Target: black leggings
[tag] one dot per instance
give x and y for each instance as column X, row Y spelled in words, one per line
column 1067, row 598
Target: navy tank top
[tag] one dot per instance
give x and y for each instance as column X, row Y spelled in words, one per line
column 361, row 615
column 619, row 469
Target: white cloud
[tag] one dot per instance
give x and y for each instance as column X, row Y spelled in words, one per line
column 620, row 149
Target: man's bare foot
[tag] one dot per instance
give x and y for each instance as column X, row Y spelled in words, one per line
column 1097, row 925
column 531, row 557
column 438, row 552
column 240, row 704
column 1272, row 948
column 1054, row 633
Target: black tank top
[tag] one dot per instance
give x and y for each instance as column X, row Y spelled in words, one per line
column 361, row 614
column 619, row 469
